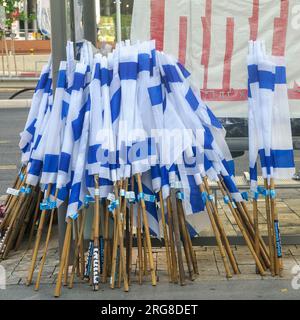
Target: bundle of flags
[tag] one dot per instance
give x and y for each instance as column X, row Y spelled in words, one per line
column 127, row 135
column 270, row 136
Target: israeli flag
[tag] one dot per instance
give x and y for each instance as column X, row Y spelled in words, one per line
column 54, row 132
column 73, row 129
column 37, row 104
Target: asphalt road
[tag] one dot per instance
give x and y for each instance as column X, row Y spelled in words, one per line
column 11, row 124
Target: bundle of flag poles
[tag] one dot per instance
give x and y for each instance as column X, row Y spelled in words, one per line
column 270, row 137
column 130, row 149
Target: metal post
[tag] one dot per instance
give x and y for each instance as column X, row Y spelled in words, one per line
column 58, row 35
column 26, row 19
column 89, row 21
column 119, row 21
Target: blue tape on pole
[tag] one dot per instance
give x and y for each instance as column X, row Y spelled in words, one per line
column 245, row 196
column 180, row 195
column 255, row 195
column 113, row 205
column 278, row 239
column 141, row 196
column 211, row 197
column 226, row 199
column 264, row 192
column 272, row 194
column 21, row 176
column 149, row 198
column 204, row 197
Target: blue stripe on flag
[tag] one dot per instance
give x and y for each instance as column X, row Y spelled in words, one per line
column 105, row 77
column 31, row 128
column 155, row 94
column 192, row 100
column 282, row 158
column 64, row 163
column 196, row 202
column 128, row 70
column 280, row 75
column 229, row 166
column 62, row 79
column 208, row 139
column 51, row 163
column 42, row 82
column 78, row 81
column 230, row 184
column 266, row 80
column 115, row 105
column 92, row 154
column 75, row 193
column 64, row 110
column 253, row 173
column 144, row 63
column 184, row 71
column 214, row 121
column 36, row 167
column 172, row 74
column 253, row 73
column 207, row 163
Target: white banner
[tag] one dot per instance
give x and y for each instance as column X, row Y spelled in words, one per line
column 211, row 38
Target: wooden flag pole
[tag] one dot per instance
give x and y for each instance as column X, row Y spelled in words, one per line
column 178, row 246
column 217, row 234
column 96, row 258
column 221, row 229
column 148, row 239
column 172, row 242
column 277, row 236
column 242, row 229
column 63, row 259
column 35, row 218
column 77, row 248
column 166, row 238
column 106, row 243
column 270, row 230
column 139, row 243
column 120, row 221
column 46, row 244
column 186, row 247
column 37, row 241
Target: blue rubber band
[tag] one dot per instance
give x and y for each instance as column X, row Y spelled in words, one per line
column 226, row 199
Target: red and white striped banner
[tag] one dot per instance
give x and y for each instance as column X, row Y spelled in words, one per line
column 211, row 38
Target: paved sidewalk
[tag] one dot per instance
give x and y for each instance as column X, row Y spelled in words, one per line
column 211, row 276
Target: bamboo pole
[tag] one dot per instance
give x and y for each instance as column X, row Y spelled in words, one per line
column 186, row 248
column 77, row 248
column 96, row 260
column 139, row 243
column 166, row 237
column 63, row 259
column 46, row 244
column 120, row 221
column 242, row 229
column 178, row 246
column 34, row 220
column 270, row 231
column 106, row 244
column 221, row 229
column 194, row 260
column 217, row 235
column 277, row 236
column 37, row 241
column 148, row 239
column 172, row 242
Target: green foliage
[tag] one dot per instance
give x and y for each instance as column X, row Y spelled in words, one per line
column 11, row 7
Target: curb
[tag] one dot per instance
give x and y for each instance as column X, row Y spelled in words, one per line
column 15, row 104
